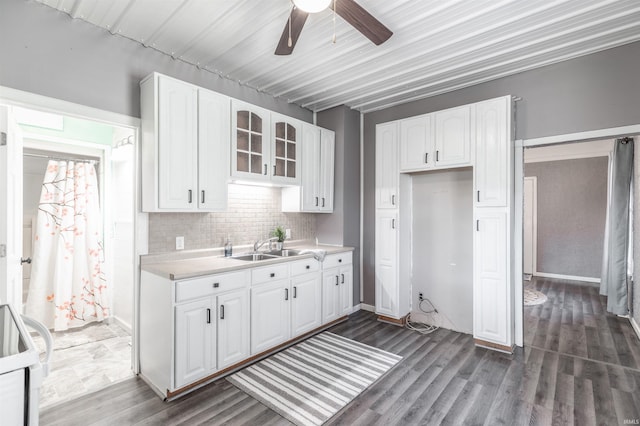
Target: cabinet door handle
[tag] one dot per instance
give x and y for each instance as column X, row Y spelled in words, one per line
column 202, row 196
column 208, row 316
column 393, row 200
column 190, row 196
column 426, row 158
column 316, row 201
column 337, row 282
column 265, row 169
column 295, row 292
column 221, row 311
column 322, row 201
column 393, row 224
column 274, row 169
column 478, row 196
column 437, row 156
column 286, row 294
column 342, row 278
column 477, row 224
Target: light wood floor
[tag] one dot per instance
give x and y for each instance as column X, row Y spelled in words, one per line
column 580, row 366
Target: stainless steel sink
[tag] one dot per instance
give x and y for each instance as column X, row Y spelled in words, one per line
column 254, row 257
column 284, row 253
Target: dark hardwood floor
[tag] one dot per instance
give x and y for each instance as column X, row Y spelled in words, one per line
column 579, row 366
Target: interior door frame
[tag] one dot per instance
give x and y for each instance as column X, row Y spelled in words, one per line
column 534, row 223
column 18, row 98
column 520, row 145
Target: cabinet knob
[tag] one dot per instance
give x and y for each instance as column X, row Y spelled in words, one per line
column 308, row 267
column 339, row 260
column 273, row 274
column 216, row 285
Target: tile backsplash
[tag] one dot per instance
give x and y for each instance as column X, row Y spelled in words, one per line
column 252, row 213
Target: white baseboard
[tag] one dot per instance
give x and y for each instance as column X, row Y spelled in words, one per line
column 368, row 308
column 567, row 277
column 635, row 326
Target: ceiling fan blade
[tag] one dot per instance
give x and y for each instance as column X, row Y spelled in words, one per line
column 297, row 20
column 362, row 21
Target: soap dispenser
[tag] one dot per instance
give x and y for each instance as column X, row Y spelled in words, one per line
column 228, row 248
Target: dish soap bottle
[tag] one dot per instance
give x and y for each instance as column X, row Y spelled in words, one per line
column 228, row 248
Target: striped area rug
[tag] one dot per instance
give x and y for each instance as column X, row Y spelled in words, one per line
column 310, row 382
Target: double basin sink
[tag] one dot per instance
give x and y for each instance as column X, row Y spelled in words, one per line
column 274, row 254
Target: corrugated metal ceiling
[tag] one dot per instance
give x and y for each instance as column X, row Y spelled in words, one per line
column 438, row 45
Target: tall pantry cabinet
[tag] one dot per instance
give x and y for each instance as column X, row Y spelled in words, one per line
column 477, row 135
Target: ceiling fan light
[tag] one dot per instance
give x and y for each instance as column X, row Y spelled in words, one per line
column 312, row 6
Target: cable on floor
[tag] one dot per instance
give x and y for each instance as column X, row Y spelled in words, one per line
column 420, row 327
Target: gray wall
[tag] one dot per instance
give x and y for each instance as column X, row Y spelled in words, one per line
column 46, row 52
column 635, row 291
column 572, row 208
column 596, row 91
column 342, row 227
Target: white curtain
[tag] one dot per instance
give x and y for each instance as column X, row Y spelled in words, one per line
column 68, row 286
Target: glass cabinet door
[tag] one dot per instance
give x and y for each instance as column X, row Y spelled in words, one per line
column 285, row 152
column 249, row 142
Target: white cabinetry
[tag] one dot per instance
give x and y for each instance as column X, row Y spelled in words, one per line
column 453, row 136
column 387, row 284
column 270, row 315
column 306, row 293
column 492, row 150
column 337, row 286
column 490, row 287
column 195, row 341
column 387, row 166
column 286, row 145
column 416, row 143
column 250, row 141
column 315, row 194
column 233, row 328
column 185, row 134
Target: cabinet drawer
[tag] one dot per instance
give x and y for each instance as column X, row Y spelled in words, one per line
column 304, row 266
column 338, row 259
column 211, row 284
column 269, row 273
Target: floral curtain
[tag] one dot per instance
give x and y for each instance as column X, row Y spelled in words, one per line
column 68, row 286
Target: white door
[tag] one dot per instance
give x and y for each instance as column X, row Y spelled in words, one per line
column 233, row 328
column 327, row 159
column 270, row 315
column 530, row 224
column 195, row 336
column 453, row 136
column 177, row 144
column 346, row 290
column 330, row 295
column 491, row 302
column 306, row 307
column 10, row 210
column 214, row 121
column 491, row 168
column 416, row 143
column 387, row 165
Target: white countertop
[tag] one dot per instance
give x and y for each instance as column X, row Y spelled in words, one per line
column 180, row 266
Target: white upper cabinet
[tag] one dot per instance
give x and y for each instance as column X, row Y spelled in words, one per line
column 286, row 135
column 453, row 136
column 250, row 141
column 315, row 193
column 182, row 126
column 492, row 152
column 214, row 116
column 387, row 165
column 416, row 144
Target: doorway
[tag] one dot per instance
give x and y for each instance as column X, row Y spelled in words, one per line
column 91, row 353
column 530, row 225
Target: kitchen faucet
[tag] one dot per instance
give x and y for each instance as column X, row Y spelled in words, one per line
column 259, row 243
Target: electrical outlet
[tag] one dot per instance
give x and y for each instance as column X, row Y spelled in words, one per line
column 287, row 233
column 179, row 243
column 420, row 296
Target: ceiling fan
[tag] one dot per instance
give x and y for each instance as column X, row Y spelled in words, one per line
column 349, row 10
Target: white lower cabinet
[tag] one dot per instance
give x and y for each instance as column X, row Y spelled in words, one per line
column 306, row 306
column 233, row 328
column 337, row 286
column 195, row 341
column 491, row 295
column 270, row 315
